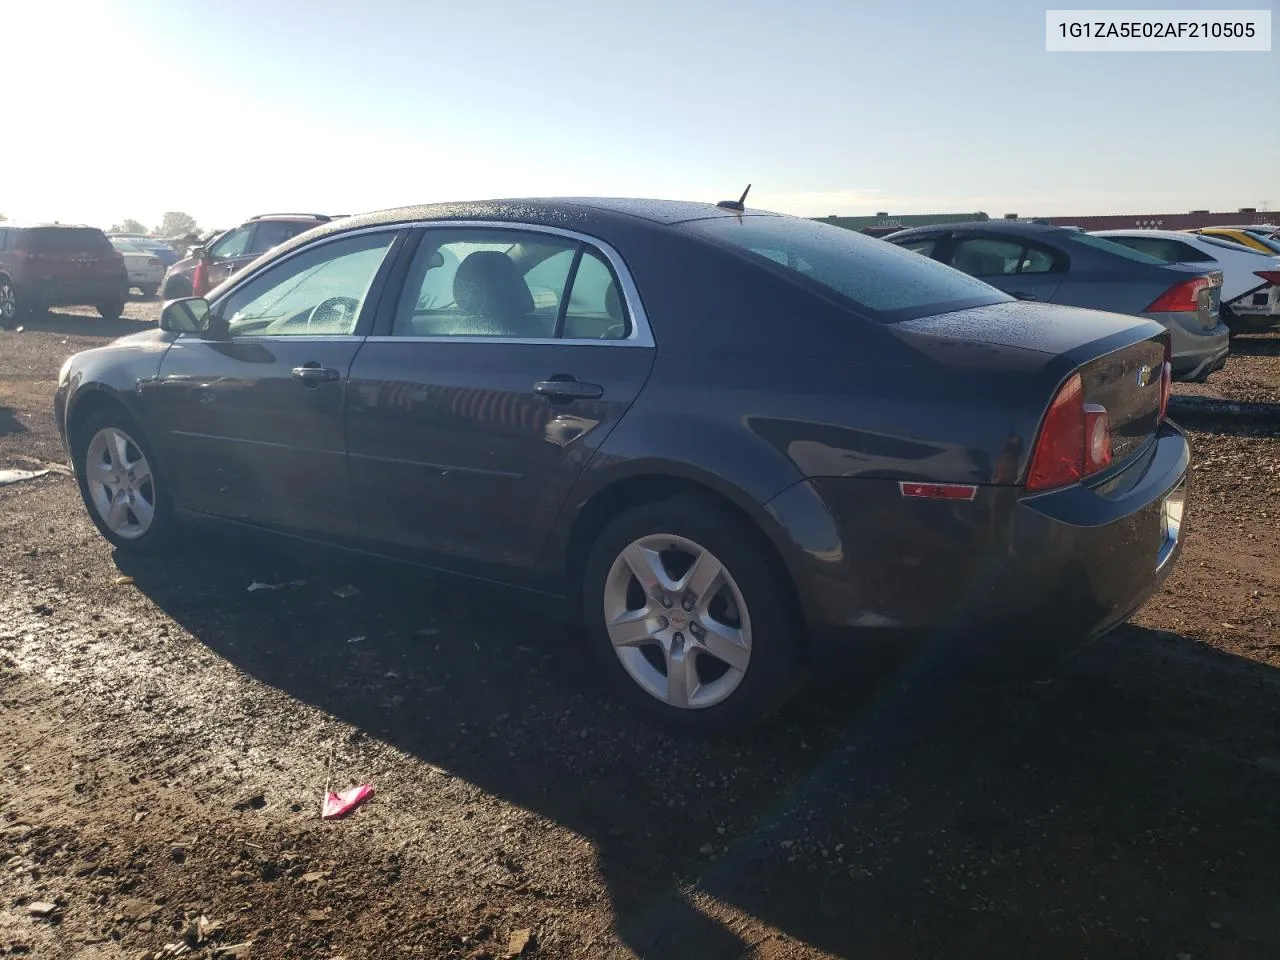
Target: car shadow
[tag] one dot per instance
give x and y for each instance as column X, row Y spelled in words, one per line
column 882, row 815
column 84, row 325
column 1256, row 345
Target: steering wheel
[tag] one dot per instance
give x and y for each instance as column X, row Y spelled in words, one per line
column 334, row 311
column 615, row 331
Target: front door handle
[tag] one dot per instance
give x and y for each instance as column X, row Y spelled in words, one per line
column 312, row 374
column 568, row 388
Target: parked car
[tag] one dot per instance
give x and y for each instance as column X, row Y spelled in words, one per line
column 157, row 248
column 1250, row 278
column 740, row 442
column 144, row 268
column 1069, row 266
column 51, row 265
column 1260, row 239
column 207, row 265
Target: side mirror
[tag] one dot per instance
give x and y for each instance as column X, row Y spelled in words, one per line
column 196, row 251
column 188, row 315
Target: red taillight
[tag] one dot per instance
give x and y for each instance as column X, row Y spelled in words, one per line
column 1074, row 441
column 1180, row 297
column 1059, row 454
column 199, row 279
column 1271, row 276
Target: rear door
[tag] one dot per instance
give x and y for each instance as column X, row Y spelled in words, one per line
column 228, row 253
column 506, row 360
column 1021, row 267
column 254, row 419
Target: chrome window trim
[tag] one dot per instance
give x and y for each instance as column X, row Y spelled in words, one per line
column 641, row 334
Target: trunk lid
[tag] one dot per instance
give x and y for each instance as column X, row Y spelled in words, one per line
column 1022, row 353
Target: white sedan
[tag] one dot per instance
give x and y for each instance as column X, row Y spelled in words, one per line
column 1250, row 279
column 146, row 270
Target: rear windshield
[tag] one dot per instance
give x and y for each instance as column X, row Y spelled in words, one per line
column 68, row 240
column 877, row 278
column 1110, row 246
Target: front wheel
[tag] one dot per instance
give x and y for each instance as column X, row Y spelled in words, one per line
column 121, row 484
column 149, row 290
column 692, row 616
column 111, row 309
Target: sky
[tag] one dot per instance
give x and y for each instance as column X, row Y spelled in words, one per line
column 130, row 108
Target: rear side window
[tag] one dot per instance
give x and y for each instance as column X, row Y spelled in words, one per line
column 879, row 279
column 1162, row 248
column 68, row 240
column 1001, row 256
column 1107, row 246
column 272, row 233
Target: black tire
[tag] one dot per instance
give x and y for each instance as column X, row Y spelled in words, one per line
column 176, row 288
column 1228, row 316
column 160, row 534
column 111, row 309
column 776, row 666
column 10, row 306
column 150, row 290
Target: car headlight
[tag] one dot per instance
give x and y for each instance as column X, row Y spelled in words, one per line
column 65, row 372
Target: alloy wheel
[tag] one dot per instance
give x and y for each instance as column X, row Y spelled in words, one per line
column 677, row 621
column 120, row 483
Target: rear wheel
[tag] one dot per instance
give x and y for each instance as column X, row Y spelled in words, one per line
column 176, row 288
column 8, row 303
column 120, row 482
column 692, row 616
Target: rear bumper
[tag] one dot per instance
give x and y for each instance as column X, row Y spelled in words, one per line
column 1197, row 351
column 874, row 569
column 56, row 293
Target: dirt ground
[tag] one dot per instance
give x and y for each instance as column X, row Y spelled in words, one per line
column 166, row 741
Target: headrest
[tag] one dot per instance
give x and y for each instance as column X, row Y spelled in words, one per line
column 488, row 284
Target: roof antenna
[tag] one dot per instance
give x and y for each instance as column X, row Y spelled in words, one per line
column 736, row 204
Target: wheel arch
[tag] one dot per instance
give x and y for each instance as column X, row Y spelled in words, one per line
column 567, row 554
column 87, row 402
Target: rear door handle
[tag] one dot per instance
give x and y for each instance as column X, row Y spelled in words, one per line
column 568, row 389
column 312, row 374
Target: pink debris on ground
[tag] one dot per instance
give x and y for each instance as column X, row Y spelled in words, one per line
column 340, row 804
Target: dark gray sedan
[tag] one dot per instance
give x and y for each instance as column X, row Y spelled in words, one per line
column 1062, row 265
column 734, row 442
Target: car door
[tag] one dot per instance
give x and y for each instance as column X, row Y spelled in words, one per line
column 229, row 253
column 253, row 413
column 506, row 360
column 1025, row 269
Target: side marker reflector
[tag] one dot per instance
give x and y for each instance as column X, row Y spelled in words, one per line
column 938, row 491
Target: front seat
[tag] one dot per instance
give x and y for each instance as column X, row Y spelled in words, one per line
column 489, row 289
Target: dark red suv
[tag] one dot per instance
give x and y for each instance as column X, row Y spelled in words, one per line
column 52, row 265
column 206, row 266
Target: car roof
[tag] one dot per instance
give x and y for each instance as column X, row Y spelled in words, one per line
column 566, row 212
column 1021, row 228
column 11, row 225
column 1139, row 232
